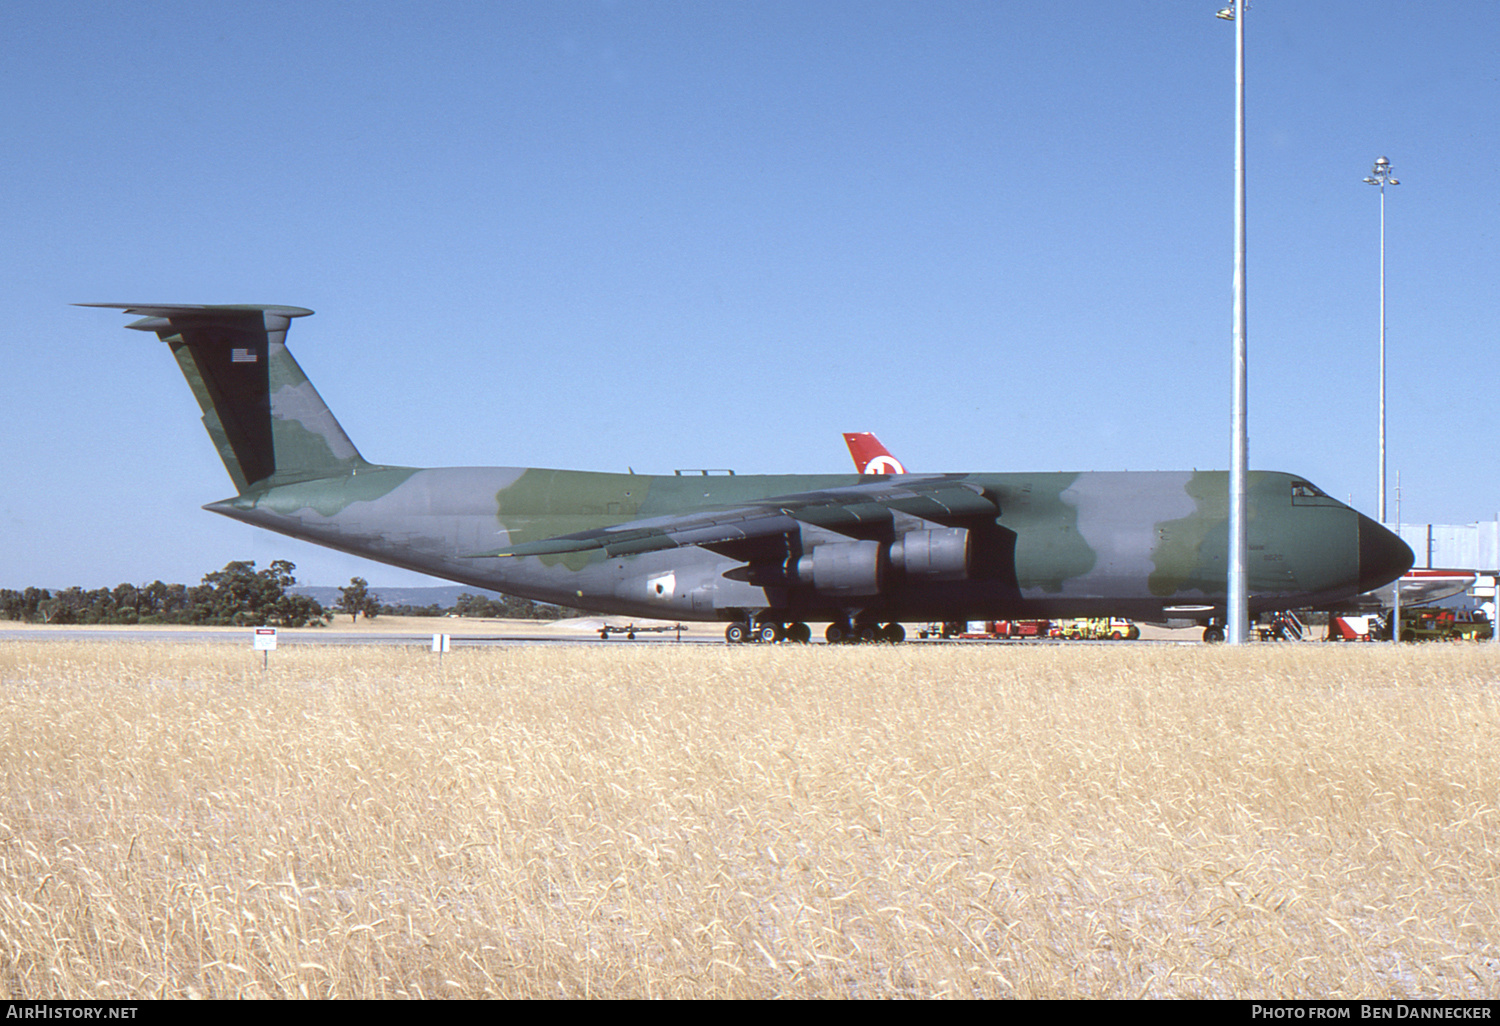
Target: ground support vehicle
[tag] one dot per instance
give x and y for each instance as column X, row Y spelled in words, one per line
column 1423, row 623
column 1282, row 627
column 990, row 630
column 1101, row 628
column 1032, row 629
column 1353, row 628
column 630, row 630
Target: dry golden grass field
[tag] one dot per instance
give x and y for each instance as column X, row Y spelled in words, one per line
column 706, row 821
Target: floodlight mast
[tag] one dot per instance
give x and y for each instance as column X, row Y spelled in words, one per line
column 1237, row 613
column 1380, row 175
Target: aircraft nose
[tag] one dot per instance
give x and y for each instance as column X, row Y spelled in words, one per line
column 1383, row 556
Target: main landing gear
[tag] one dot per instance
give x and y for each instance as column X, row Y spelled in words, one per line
column 840, row 632
column 845, row 633
column 767, row 632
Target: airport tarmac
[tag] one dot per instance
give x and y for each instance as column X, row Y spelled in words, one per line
column 385, row 630
column 468, row 632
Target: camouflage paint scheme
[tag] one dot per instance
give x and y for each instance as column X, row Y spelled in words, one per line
column 768, row 549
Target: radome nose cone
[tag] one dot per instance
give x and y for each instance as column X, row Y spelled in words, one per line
column 1383, row 556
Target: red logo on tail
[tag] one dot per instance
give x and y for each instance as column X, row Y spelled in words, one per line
column 870, row 457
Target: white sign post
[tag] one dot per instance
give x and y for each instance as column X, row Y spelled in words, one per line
column 265, row 641
column 441, row 643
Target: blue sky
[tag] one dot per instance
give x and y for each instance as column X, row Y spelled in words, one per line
column 660, row 235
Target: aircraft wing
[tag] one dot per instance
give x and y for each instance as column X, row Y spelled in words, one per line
column 863, row 510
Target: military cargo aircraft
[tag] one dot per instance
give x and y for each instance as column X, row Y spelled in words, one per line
column 764, row 553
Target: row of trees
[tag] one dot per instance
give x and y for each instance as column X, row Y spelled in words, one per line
column 356, row 600
column 238, row 596
column 508, row 606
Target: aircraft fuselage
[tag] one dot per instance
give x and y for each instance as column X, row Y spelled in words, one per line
column 1148, row 545
column 855, row 550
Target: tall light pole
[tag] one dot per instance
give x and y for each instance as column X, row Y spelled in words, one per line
column 1381, row 175
column 1237, row 615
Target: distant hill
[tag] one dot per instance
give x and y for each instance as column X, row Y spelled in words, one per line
column 442, row 597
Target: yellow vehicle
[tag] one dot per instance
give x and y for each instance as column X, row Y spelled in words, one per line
column 1103, row 628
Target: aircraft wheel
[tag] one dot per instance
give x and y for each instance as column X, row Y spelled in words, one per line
column 1213, row 635
column 768, row 632
column 736, row 634
column 893, row 633
column 869, row 633
column 837, row 633
column 799, row 633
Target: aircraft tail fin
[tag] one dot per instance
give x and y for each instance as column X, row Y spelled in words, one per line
column 263, row 415
column 870, row 457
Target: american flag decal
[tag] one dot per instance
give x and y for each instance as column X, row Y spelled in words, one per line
column 242, row 356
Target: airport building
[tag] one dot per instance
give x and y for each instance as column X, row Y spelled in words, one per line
column 1467, row 546
column 1458, row 546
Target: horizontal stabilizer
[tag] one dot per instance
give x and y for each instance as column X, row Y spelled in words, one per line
column 171, row 310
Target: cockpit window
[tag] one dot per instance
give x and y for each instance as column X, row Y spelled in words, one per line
column 1305, row 493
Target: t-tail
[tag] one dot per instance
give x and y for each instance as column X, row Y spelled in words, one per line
column 266, row 419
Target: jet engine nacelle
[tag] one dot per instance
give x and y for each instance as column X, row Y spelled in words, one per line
column 862, row 567
column 845, row 568
column 940, row 555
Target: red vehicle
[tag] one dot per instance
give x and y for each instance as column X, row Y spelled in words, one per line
column 989, row 630
column 1021, row 629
